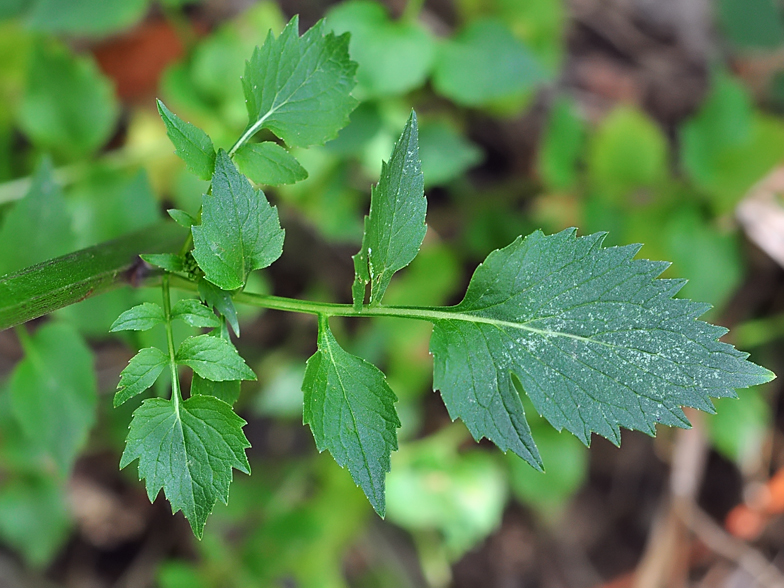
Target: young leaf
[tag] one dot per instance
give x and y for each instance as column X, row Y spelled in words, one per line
column 395, row 227
column 171, row 262
column 213, row 358
column 54, row 392
column 188, row 449
column 194, row 313
column 191, row 144
column 596, row 341
column 140, row 373
column 269, row 164
column 139, row 318
column 299, row 87
column 350, row 409
column 181, row 217
column 221, row 301
column 240, row 231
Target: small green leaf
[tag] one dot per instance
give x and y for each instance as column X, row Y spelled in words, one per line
column 350, row 409
column 221, row 301
column 299, row 87
column 54, row 392
column 562, row 145
column 38, row 227
column 395, row 226
column 269, row 164
column 68, row 106
column 191, row 144
column 485, row 64
column 213, row 358
column 240, row 231
column 139, row 318
column 228, row 390
column 86, row 17
column 195, row 314
column 171, row 262
column 140, row 373
column 181, row 217
column 590, row 334
column 445, row 153
column 188, row 449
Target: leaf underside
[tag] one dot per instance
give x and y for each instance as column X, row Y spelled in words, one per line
column 350, row 409
column 595, row 339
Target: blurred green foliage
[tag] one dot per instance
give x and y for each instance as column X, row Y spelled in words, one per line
column 298, row 516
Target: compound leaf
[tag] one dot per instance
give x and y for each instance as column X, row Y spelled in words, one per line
column 191, row 144
column 350, row 409
column 195, row 313
column 395, row 226
column 269, row 164
column 188, row 449
column 591, row 335
column 54, row 392
column 299, row 87
column 139, row 318
column 213, row 358
column 140, row 373
column 240, row 231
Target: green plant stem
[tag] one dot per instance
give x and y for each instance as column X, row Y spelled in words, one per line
column 176, row 396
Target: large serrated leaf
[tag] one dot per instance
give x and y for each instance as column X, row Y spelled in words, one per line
column 350, row 409
column 299, row 87
column 595, row 339
column 188, row 449
column 395, row 226
column 239, row 230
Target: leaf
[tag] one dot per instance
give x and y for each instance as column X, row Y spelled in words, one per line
column 188, row 449
column 228, row 390
column 299, row 87
column 140, row 373
column 65, row 280
column 393, row 57
column 562, row 146
column 171, row 262
column 139, row 318
column 395, row 226
column 446, row 154
column 484, row 64
column 213, row 358
column 54, row 392
column 269, row 164
column 68, row 106
column 350, row 409
column 194, row 313
column 86, row 17
column 221, row 301
column 590, row 334
column 181, row 217
column 38, row 227
column 240, row 231
column 191, row 144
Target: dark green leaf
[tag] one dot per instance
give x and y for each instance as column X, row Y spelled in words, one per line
column 213, row 358
column 53, row 392
column 597, row 343
column 171, row 262
column 140, row 373
column 188, row 449
column 68, row 105
column 139, row 318
column 269, row 164
column 182, row 218
column 195, row 313
column 191, row 144
column 240, row 231
column 350, row 409
column 395, row 227
column 221, row 301
column 228, row 390
column 59, row 282
column 299, row 87
column 38, row 227
column 485, row 64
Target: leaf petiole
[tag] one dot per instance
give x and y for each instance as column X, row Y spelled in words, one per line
column 176, row 395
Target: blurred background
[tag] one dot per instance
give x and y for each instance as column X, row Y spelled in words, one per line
column 660, row 121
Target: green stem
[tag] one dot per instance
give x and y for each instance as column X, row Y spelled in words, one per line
column 176, row 396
